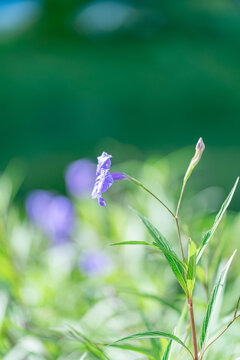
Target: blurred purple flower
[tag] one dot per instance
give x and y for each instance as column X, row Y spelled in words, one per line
column 104, row 178
column 80, row 176
column 94, row 263
column 54, row 214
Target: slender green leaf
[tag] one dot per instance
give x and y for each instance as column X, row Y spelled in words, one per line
column 212, row 304
column 96, row 351
column 137, row 349
column 168, row 350
column 92, row 348
column 169, row 252
column 191, row 273
column 153, row 244
column 154, row 334
column 176, row 265
column 218, row 218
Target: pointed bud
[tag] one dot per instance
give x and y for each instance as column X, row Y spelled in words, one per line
column 195, row 160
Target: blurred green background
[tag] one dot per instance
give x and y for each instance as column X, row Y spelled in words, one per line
column 79, row 77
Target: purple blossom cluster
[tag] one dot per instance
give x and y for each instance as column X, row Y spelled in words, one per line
column 94, row 263
column 53, row 214
column 79, row 177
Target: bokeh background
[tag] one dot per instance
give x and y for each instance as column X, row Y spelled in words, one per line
column 142, row 80
column 79, row 76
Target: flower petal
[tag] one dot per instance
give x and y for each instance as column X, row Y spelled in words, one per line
column 102, row 184
column 101, row 201
column 118, row 176
column 104, row 178
column 104, row 162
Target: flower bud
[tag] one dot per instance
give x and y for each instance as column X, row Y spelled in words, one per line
column 195, row 160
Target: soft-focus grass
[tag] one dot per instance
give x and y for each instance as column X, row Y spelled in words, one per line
column 44, row 294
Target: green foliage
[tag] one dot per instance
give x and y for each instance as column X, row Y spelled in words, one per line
column 157, row 245
column 212, row 304
column 160, row 242
column 191, row 272
column 50, row 308
column 153, row 335
column 218, row 218
column 168, row 350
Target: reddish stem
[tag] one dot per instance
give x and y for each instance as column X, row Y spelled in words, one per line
column 194, row 340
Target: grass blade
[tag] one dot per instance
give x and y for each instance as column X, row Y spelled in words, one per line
column 91, row 348
column 218, row 218
column 168, row 351
column 213, row 302
column 152, row 335
column 154, row 244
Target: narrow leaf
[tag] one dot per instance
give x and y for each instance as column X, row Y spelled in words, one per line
column 168, row 350
column 218, row 218
column 191, row 273
column 92, row 348
column 169, row 252
column 212, row 304
column 154, row 244
column 176, row 265
column 154, row 334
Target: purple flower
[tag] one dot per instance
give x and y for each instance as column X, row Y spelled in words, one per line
column 54, row 214
column 104, row 178
column 80, row 177
column 94, row 263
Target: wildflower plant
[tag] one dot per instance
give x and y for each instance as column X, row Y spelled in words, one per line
column 184, row 268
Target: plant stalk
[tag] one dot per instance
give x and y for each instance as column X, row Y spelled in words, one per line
column 180, row 198
column 190, row 302
column 235, row 317
column 180, row 240
column 136, row 182
column 194, row 339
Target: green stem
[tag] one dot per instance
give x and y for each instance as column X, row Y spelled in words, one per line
column 136, row 182
column 180, row 198
column 194, row 338
column 190, row 302
column 180, row 240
